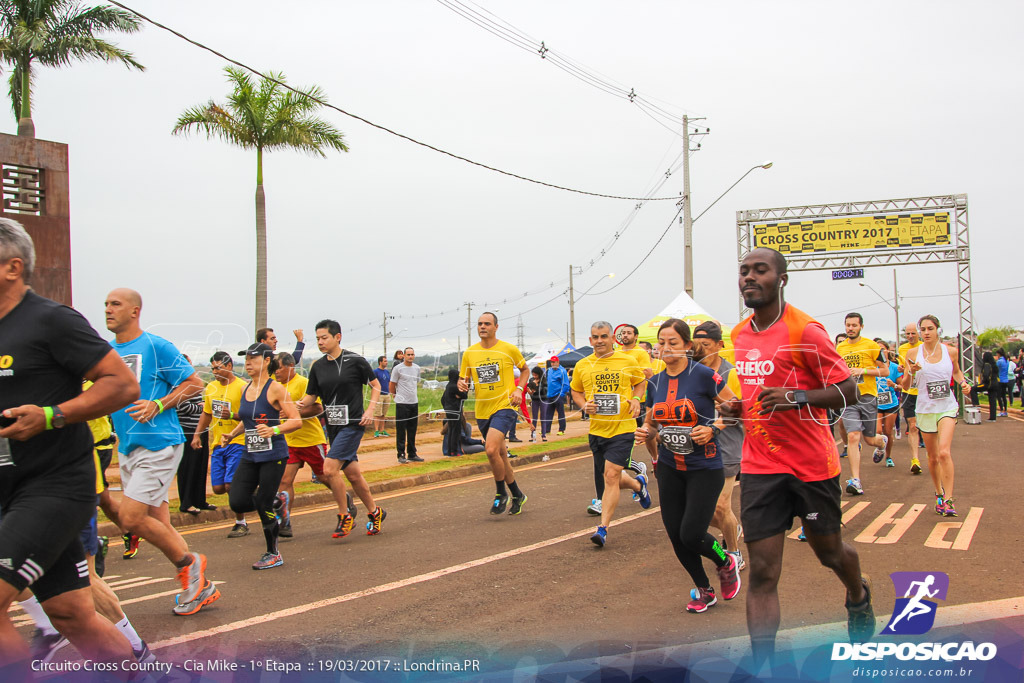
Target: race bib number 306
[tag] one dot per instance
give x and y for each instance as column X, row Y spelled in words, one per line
column 254, row 443
column 489, row 373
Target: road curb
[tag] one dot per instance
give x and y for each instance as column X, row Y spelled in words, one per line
column 183, row 520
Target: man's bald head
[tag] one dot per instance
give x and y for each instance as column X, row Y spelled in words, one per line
column 129, row 296
column 122, row 310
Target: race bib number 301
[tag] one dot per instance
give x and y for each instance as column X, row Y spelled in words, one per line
column 488, row 374
column 254, row 443
column 607, row 404
column 677, row 439
column 337, row 416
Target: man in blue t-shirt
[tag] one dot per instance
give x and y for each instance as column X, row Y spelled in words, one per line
column 151, row 443
column 380, row 411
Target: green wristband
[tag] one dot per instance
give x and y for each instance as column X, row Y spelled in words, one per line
column 48, row 412
column 160, row 405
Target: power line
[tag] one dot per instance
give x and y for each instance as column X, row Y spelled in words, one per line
column 324, row 103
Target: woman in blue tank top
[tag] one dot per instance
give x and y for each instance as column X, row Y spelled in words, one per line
column 267, row 414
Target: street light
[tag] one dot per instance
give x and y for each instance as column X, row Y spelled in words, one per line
column 572, row 303
column 895, row 306
column 688, row 227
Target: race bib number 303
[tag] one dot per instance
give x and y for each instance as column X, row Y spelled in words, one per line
column 254, row 443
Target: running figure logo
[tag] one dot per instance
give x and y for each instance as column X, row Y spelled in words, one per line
column 914, row 613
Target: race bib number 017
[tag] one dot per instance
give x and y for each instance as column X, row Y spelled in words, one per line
column 938, row 390
column 678, row 440
column 254, row 443
column 607, row 404
column 488, row 374
column 337, row 416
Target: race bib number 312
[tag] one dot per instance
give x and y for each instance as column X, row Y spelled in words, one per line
column 607, row 404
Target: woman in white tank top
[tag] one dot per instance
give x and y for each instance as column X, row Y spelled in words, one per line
column 932, row 367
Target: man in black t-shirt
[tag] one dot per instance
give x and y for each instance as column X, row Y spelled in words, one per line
column 337, row 380
column 47, row 475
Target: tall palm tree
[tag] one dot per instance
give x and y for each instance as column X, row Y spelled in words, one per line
column 264, row 116
column 55, row 33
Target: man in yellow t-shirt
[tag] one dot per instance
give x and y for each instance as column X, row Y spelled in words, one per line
column 221, row 401
column 910, row 398
column 308, row 444
column 609, row 384
column 866, row 361
column 491, row 364
column 629, row 337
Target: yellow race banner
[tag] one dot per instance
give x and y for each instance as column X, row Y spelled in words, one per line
column 855, row 233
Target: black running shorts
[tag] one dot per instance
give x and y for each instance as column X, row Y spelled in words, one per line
column 769, row 502
column 39, row 543
column 910, row 406
column 616, row 449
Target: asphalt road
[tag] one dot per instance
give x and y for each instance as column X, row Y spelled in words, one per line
column 447, row 579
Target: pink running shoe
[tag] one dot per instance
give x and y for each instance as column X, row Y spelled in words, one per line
column 729, row 576
column 702, row 599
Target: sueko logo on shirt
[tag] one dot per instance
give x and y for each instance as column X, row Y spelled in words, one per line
column 914, row 614
column 5, row 366
column 753, row 370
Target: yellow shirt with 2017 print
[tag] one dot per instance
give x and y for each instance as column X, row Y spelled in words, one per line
column 862, row 354
column 493, row 373
column 609, row 381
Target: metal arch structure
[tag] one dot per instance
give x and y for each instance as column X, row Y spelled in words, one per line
column 958, row 251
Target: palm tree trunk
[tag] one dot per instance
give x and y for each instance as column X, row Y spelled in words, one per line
column 26, row 128
column 261, row 245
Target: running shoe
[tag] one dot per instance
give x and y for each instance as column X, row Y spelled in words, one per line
column 860, row 619
column 193, row 586
column 844, row 454
column 915, row 466
column 44, row 648
column 517, row 504
column 880, row 451
column 853, row 487
column 595, row 506
column 644, row 497
column 889, row 462
column 268, row 561
column 729, row 577
column 209, row 594
column 238, row 530
column 897, row 433
column 144, row 655
column 638, row 466
column 950, row 510
column 415, row 458
column 940, row 505
column 281, row 507
column 402, row 460
column 741, row 564
column 344, row 526
column 533, row 436
column 103, row 543
column 313, row 479
column 600, row 536
column 802, row 536
column 385, row 433
column 377, row 518
column 286, row 530
column 561, row 433
column 131, row 545
column 499, row 503
column 515, row 439
column 702, row 599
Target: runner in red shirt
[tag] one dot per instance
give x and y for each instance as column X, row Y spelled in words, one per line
column 790, row 374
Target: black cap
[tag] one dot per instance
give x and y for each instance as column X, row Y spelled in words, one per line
column 708, row 330
column 257, row 349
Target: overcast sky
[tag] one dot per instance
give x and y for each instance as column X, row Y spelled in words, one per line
column 851, row 102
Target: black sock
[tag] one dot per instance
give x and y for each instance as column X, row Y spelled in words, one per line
column 500, row 485
column 514, row 488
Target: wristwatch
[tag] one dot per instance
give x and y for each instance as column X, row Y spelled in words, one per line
column 800, row 398
column 715, row 431
column 58, row 420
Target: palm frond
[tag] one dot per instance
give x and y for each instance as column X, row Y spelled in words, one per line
column 216, row 122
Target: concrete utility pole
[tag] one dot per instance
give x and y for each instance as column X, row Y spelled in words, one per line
column 384, row 325
column 896, row 306
column 572, row 312
column 520, row 336
column 687, row 216
column 469, row 323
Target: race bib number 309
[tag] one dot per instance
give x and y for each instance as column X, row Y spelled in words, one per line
column 677, row 439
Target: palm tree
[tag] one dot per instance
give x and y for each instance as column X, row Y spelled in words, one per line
column 264, row 116
column 54, row 33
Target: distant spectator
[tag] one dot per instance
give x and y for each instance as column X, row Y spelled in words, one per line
column 380, row 412
column 397, row 360
column 451, row 401
column 533, row 388
column 1003, row 367
column 265, row 335
column 405, row 379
